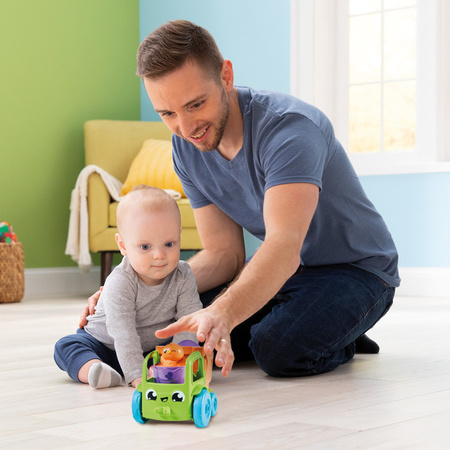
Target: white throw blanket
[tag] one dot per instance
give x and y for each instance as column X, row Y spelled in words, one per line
column 78, row 236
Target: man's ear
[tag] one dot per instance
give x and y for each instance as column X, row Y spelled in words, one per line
column 227, row 75
column 121, row 244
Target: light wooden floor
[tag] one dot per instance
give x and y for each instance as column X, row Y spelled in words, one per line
column 399, row 399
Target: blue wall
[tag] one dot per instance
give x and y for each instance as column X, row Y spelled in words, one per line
column 255, row 35
column 416, row 208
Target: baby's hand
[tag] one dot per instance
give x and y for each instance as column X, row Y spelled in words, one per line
column 136, row 382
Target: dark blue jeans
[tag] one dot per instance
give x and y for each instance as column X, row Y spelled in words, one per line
column 311, row 325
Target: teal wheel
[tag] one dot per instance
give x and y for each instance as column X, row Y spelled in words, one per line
column 136, row 407
column 202, row 409
column 213, row 404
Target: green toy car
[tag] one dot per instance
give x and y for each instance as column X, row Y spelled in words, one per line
column 176, row 393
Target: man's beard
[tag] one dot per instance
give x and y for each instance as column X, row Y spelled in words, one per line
column 220, row 129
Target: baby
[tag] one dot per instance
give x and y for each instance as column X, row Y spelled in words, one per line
column 149, row 290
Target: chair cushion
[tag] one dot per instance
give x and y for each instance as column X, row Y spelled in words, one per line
column 187, row 213
column 112, row 219
column 153, row 166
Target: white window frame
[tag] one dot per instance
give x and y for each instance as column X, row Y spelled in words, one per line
column 319, row 75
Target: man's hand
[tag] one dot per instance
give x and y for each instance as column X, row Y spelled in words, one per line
column 211, row 327
column 89, row 308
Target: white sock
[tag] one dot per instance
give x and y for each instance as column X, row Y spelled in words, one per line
column 102, row 376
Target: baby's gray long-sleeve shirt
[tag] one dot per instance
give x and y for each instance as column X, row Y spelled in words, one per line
column 129, row 312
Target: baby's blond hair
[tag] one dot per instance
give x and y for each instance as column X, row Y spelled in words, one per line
column 145, row 198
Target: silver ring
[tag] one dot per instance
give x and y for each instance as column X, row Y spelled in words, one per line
column 224, row 340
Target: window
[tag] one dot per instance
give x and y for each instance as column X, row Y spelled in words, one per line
column 377, row 69
column 382, row 75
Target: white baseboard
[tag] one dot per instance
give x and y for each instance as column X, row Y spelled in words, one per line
column 424, row 282
column 69, row 281
column 62, row 281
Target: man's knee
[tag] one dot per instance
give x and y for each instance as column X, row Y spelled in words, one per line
column 286, row 358
column 278, row 364
column 275, row 356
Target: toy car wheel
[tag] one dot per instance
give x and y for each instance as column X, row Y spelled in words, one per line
column 136, row 408
column 202, row 409
column 213, row 404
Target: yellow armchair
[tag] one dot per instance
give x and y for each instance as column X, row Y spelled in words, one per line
column 113, row 145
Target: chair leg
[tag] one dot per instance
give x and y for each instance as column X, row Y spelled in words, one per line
column 107, row 258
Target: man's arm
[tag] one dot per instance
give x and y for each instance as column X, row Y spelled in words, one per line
column 221, row 260
column 224, row 251
column 288, row 211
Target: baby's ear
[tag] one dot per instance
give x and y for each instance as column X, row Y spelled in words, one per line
column 121, row 244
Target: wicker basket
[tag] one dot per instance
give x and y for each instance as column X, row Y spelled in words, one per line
column 12, row 279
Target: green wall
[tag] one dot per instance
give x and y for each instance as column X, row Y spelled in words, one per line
column 61, row 63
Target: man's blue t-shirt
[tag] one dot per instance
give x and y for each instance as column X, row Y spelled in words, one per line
column 289, row 141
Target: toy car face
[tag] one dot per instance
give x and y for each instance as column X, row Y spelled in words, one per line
column 166, row 402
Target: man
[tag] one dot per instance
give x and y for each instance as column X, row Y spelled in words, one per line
column 326, row 271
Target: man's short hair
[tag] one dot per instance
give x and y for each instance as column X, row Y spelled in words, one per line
column 171, row 45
